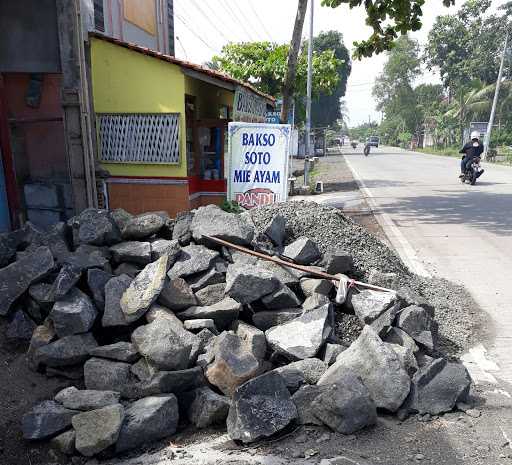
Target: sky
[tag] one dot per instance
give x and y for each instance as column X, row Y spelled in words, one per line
column 202, row 27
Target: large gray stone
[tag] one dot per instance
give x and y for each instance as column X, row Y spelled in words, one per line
column 207, row 278
column 222, row 313
column 144, row 290
column 252, row 337
column 208, row 408
column 65, row 443
column 68, row 276
column 248, row 283
column 210, row 295
column 275, row 230
column 286, row 276
column 88, row 256
column 260, row 408
column 132, row 251
column 143, row 369
column 8, row 245
column 397, row 336
column 346, row 406
column 164, row 344
column 315, row 301
column 41, row 293
column 312, row 286
column 21, row 327
column 406, row 357
column 121, row 217
column 281, row 298
column 120, row 351
column 177, row 295
column 193, row 259
column 96, row 227
column 114, row 291
column 378, row 366
column 303, row 251
column 148, row 420
column 411, row 297
column 98, row 429
column 97, row 280
column 84, row 400
column 69, row 350
column 331, row 351
column 338, row 261
column 106, row 375
column 181, row 231
column 196, row 326
column 129, row 269
column 16, row 278
column 437, row 387
column 297, row 374
column 234, row 363
column 41, row 336
column 417, row 323
column 377, row 309
column 73, row 314
column 267, row 319
column 142, row 226
column 215, row 222
column 303, row 400
column 162, row 247
column 45, row 420
column 159, row 311
column 166, row 382
column 303, row 337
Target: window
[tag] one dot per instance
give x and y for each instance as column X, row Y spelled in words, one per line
column 170, row 22
column 139, row 138
column 99, row 19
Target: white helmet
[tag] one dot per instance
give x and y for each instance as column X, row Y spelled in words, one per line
column 475, row 135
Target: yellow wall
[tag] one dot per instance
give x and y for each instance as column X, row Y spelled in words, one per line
column 208, row 97
column 125, row 81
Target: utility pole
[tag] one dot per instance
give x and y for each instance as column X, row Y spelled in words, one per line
column 487, row 139
column 308, row 98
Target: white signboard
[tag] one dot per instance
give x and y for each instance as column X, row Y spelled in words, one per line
column 258, row 163
column 248, row 106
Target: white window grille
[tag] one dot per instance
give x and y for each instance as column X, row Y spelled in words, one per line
column 139, row 138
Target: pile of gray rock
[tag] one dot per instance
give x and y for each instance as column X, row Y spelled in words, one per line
column 156, row 327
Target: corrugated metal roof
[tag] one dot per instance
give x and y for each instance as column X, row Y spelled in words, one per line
column 184, row 64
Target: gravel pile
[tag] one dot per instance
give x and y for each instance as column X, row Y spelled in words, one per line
column 458, row 316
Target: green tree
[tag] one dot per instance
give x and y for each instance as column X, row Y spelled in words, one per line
column 388, row 19
column 264, row 64
column 326, row 107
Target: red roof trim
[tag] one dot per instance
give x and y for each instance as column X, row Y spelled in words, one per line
column 182, row 63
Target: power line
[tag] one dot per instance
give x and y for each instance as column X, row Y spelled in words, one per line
column 209, row 20
column 194, row 33
column 245, row 19
column 260, row 21
column 236, row 19
column 221, row 21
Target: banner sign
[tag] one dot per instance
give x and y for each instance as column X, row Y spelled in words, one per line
column 248, row 106
column 258, row 163
column 273, row 117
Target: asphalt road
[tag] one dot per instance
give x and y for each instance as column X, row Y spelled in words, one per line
column 452, row 230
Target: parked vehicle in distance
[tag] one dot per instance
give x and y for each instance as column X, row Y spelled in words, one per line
column 373, row 141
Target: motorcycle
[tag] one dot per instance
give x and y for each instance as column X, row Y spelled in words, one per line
column 366, row 150
column 354, row 145
column 473, row 172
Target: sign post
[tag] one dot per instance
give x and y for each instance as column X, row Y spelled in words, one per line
column 258, row 163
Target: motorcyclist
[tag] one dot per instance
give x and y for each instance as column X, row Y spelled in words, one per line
column 470, row 150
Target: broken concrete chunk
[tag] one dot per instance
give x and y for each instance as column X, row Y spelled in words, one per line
column 132, row 251
column 98, row 429
column 17, row 277
column 303, row 337
column 215, row 222
column 177, row 295
column 378, row 366
column 45, row 420
column 192, row 260
column 114, row 290
column 69, row 350
column 267, row 319
column 267, row 395
column 143, row 226
column 144, row 290
column 303, row 251
column 164, row 344
column 296, row 374
column 210, row 295
column 148, row 420
column 75, row 399
column 281, row 298
column 346, row 406
column 222, row 313
column 338, row 261
column 246, row 283
column 73, row 314
column 234, row 363
column 208, row 408
column 437, row 387
column 311, row 286
column 106, row 375
column 120, row 351
column 417, row 323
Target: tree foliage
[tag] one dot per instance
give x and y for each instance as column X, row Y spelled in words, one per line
column 326, row 108
column 388, row 19
column 264, row 65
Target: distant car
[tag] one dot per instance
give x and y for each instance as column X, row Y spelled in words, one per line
column 373, row 141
